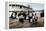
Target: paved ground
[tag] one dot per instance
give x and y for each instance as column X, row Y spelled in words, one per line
column 13, row 23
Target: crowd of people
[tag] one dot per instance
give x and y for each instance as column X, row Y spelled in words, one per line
column 31, row 17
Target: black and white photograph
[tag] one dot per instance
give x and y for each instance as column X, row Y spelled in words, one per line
column 25, row 15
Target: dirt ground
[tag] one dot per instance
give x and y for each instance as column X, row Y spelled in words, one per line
column 14, row 23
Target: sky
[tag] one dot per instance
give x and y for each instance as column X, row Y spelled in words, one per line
column 37, row 6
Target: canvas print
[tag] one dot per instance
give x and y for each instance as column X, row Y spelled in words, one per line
column 25, row 15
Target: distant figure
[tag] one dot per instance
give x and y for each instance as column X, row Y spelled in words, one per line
column 27, row 17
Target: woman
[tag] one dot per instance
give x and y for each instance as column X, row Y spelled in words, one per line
column 21, row 17
column 36, row 18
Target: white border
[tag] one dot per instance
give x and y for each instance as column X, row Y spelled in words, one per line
column 2, row 20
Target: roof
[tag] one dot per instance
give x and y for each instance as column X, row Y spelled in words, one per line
column 20, row 5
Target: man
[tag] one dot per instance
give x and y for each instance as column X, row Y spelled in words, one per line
column 13, row 15
column 30, row 17
column 33, row 19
